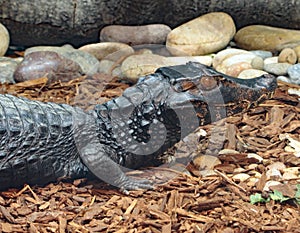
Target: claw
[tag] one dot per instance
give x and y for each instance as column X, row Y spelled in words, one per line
column 135, row 184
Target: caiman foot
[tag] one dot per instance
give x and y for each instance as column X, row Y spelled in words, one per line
column 130, row 183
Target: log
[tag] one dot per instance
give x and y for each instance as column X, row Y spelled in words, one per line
column 78, row 22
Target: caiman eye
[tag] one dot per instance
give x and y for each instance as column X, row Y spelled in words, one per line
column 187, row 85
column 208, row 83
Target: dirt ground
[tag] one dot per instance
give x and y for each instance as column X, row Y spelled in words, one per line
column 256, row 152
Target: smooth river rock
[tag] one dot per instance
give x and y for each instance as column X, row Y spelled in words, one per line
column 294, row 73
column 288, row 55
column 109, row 67
column 88, row 63
column 7, row 68
column 233, row 61
column 4, row 40
column 226, row 53
column 257, row 63
column 271, row 60
column 135, row 35
column 251, row 73
column 277, row 68
column 262, row 53
column 206, row 34
column 297, row 50
column 260, row 37
column 136, row 66
column 108, row 50
column 205, row 60
column 47, row 64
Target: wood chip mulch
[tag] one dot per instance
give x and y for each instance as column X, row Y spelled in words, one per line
column 190, row 202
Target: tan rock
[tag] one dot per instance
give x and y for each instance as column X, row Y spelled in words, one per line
column 135, row 35
column 136, row 66
column 260, row 37
column 108, row 50
column 288, row 55
column 235, row 69
column 257, row 63
column 110, row 67
column 4, row 40
column 233, row 61
column 297, row 50
column 238, row 58
column 271, row 60
column 206, row 60
column 226, row 53
column 206, row 34
column 251, row 73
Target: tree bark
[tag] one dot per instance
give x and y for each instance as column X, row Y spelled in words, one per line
column 79, row 21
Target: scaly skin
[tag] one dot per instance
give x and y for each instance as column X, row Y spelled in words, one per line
column 43, row 142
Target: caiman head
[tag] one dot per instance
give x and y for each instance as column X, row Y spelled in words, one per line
column 214, row 95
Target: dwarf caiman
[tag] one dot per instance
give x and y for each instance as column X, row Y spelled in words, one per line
column 44, row 142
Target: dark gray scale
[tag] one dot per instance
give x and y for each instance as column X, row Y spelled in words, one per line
column 61, row 142
column 54, row 121
column 6, row 174
column 13, row 123
column 139, row 122
column 44, row 145
column 41, row 125
column 4, row 134
column 29, row 134
column 17, row 131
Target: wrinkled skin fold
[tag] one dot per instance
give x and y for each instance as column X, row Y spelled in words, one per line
column 43, row 142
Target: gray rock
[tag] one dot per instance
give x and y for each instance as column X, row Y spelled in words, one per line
column 294, row 73
column 47, row 64
column 262, row 53
column 277, row 68
column 257, row 63
column 108, row 50
column 88, row 63
column 106, row 66
column 284, row 79
column 135, row 35
column 7, row 69
column 4, row 40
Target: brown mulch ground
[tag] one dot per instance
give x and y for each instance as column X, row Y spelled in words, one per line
column 188, row 202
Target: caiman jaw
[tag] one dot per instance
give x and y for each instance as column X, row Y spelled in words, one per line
column 209, row 90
